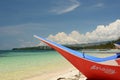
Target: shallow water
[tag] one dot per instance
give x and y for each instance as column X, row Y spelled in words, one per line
column 20, row 65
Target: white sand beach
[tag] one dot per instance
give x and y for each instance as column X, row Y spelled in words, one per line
column 66, row 74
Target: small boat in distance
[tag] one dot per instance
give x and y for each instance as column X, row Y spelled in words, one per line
column 92, row 67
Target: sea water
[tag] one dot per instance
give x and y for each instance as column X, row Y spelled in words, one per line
column 21, row 65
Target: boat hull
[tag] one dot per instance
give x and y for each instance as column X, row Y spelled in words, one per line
column 92, row 70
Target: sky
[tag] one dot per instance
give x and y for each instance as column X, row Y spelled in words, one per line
column 63, row 21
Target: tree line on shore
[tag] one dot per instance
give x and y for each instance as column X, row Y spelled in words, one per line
column 101, row 45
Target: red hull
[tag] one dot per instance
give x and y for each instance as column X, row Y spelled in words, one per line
column 92, row 70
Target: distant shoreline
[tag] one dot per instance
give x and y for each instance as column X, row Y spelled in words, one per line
column 100, row 45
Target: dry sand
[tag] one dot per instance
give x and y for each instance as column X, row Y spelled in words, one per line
column 68, row 74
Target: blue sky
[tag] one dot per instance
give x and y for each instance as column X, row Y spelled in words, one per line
column 21, row 19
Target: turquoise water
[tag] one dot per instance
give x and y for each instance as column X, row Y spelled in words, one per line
column 20, row 65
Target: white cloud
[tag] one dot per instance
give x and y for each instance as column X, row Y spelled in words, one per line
column 20, row 35
column 101, row 33
column 24, row 43
column 59, row 38
column 96, row 6
column 65, row 6
column 21, row 29
column 99, row 5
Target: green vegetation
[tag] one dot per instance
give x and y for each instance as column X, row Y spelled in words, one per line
column 107, row 45
column 101, row 45
column 34, row 48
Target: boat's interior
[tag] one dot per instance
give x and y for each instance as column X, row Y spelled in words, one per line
column 112, row 62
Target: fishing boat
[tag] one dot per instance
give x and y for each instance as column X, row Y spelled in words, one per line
column 92, row 67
